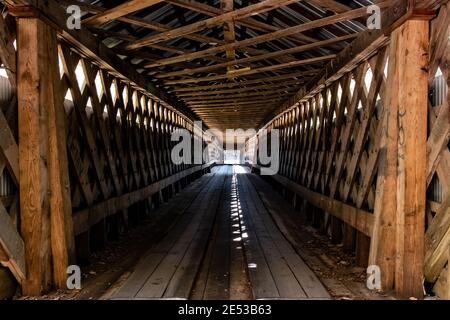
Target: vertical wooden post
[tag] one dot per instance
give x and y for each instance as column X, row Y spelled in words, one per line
column 382, row 245
column 412, row 73
column 44, row 183
column 62, row 237
column 397, row 245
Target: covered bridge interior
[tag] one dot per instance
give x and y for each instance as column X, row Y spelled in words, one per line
column 347, row 98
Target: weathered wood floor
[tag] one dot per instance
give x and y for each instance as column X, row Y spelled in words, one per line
column 224, row 245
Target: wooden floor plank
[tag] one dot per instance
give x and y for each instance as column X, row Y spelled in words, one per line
column 157, row 283
column 150, row 261
column 218, row 281
column 239, row 279
column 262, row 282
column 308, row 280
column 305, row 276
column 181, row 284
column 224, row 245
column 288, row 286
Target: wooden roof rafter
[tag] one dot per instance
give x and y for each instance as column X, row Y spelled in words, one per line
column 263, row 56
column 152, row 25
column 120, row 11
column 360, row 12
column 204, row 24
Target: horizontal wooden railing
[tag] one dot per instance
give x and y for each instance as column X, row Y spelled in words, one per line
column 86, row 218
column 361, row 220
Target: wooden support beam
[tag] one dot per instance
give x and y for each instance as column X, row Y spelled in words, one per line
column 287, row 85
column 412, row 62
column 140, row 22
column 45, row 206
column 152, row 25
column 248, row 71
column 331, row 5
column 120, row 11
column 349, row 15
column 398, row 240
column 246, row 22
column 239, row 98
column 61, row 226
column 251, row 102
column 228, row 29
column 267, row 80
column 227, row 95
column 11, row 244
column 266, row 56
column 260, row 7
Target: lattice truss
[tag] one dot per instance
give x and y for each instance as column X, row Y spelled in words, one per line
column 119, row 138
column 330, row 141
column 437, row 236
column 9, row 152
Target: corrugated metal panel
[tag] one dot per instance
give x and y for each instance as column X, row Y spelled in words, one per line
column 438, row 93
column 438, row 96
column 7, row 186
column 5, row 90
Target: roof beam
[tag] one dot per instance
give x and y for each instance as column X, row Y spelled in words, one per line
column 266, row 56
column 247, row 22
column 211, row 22
column 265, row 80
column 331, row 5
column 349, row 15
column 246, row 71
column 228, row 30
column 258, row 102
column 285, row 84
column 238, row 96
column 120, row 11
column 162, row 47
column 152, row 25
